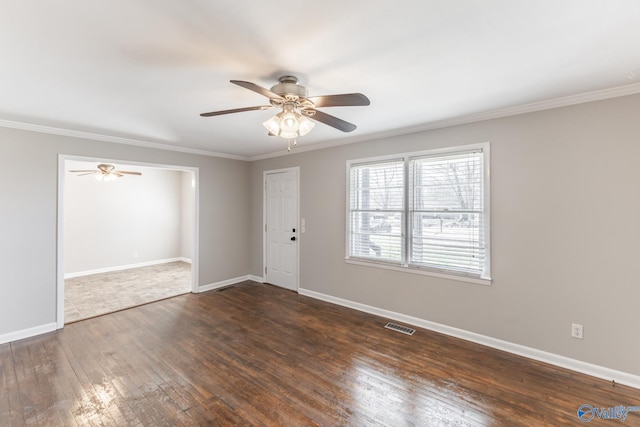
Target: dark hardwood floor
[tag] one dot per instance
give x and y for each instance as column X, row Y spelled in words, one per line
column 258, row 355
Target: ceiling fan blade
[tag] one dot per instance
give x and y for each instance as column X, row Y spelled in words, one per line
column 344, row 100
column 259, row 89
column 129, row 173
column 85, row 171
column 332, row 121
column 236, row 110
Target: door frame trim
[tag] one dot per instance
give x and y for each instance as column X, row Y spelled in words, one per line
column 295, row 169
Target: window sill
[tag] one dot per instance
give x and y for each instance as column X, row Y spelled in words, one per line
column 422, row 271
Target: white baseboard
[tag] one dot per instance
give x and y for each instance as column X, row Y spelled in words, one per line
column 256, row 278
column 124, row 267
column 28, row 333
column 531, row 353
column 224, row 283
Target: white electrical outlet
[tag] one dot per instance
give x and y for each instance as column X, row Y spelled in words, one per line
column 577, row 331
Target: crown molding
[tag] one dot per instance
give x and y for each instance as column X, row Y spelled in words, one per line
column 565, row 101
column 115, row 139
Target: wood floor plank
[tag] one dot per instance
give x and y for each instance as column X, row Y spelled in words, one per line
column 29, row 397
column 114, row 399
column 87, row 408
column 51, row 399
column 8, row 386
column 255, row 354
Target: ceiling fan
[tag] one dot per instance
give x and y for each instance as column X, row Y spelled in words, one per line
column 297, row 107
column 105, row 172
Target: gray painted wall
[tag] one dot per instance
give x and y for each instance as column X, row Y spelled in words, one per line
column 565, row 230
column 106, row 224
column 28, row 217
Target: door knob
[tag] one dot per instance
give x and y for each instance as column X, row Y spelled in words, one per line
column 293, row 238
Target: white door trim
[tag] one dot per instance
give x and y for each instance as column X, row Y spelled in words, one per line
column 62, row 158
column 295, row 169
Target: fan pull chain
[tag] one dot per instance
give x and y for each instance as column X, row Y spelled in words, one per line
column 295, row 144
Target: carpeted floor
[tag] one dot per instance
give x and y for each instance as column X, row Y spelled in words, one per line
column 90, row 296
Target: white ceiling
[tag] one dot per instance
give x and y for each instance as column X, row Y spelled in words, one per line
column 142, row 71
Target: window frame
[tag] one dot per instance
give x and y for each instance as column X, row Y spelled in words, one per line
column 485, row 277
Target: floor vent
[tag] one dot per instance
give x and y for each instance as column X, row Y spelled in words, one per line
column 226, row 288
column 399, row 328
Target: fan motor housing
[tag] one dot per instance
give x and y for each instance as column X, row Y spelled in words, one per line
column 289, row 86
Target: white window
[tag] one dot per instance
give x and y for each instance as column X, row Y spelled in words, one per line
column 377, row 210
column 426, row 212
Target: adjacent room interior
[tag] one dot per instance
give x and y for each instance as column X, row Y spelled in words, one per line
column 377, row 213
column 128, row 237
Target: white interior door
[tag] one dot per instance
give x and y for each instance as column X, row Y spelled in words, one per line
column 281, row 230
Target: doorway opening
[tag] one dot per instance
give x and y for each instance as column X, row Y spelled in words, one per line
column 126, row 241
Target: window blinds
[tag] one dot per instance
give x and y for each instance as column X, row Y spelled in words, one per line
column 446, row 212
column 376, row 210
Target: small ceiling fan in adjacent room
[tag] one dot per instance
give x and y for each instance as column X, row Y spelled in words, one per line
column 296, row 108
column 105, row 172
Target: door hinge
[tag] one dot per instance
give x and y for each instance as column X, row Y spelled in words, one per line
column 265, row 269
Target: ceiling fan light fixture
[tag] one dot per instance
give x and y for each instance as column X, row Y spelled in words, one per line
column 289, row 122
column 105, row 177
column 289, row 135
column 273, row 125
column 304, row 125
